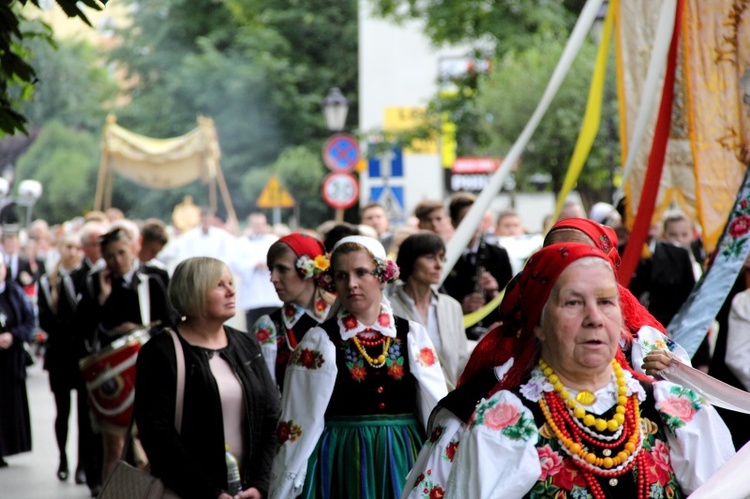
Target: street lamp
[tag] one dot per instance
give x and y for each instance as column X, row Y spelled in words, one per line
column 29, row 192
column 335, row 106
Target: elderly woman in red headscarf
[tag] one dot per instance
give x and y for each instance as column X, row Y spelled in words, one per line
column 569, row 417
column 491, row 360
column 296, row 262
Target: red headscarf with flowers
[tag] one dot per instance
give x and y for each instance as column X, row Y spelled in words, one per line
column 634, row 313
column 521, row 309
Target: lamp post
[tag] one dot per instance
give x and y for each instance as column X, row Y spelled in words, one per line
column 335, row 108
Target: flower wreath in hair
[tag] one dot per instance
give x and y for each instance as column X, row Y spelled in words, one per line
column 385, row 269
column 309, row 268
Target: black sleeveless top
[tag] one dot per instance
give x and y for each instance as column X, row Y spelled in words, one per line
column 361, row 389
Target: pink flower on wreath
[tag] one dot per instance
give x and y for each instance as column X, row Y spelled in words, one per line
column 501, row 416
column 426, row 357
column 349, row 322
column 262, row 335
column 743, row 203
column 739, row 226
column 678, row 407
column 384, row 319
column 550, row 461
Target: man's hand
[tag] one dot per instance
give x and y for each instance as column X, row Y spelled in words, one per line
column 105, row 285
column 489, row 283
column 472, row 302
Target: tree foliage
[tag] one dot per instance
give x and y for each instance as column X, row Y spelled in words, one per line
column 66, row 163
column 507, row 100
column 17, row 73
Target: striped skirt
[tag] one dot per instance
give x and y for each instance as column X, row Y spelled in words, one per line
column 366, row 457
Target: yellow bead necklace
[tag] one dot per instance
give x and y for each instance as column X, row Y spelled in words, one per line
column 380, row 361
column 579, row 412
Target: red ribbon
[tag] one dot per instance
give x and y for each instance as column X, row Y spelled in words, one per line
column 655, row 162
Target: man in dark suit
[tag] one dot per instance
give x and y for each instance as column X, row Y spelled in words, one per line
column 113, row 305
column 481, row 272
column 92, row 259
column 19, row 267
column 664, row 277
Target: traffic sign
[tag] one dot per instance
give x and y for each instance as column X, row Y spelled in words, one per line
column 340, row 190
column 274, row 195
column 341, row 153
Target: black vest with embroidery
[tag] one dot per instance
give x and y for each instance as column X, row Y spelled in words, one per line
column 563, row 480
column 364, row 390
column 283, row 349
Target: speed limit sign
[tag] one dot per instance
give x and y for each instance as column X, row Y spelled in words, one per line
column 340, row 190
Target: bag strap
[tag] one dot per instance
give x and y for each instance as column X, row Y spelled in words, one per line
column 180, row 395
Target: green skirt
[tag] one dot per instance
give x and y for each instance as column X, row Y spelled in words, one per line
column 366, row 457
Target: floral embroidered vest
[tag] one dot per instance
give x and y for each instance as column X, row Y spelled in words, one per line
column 283, row 349
column 562, row 479
column 364, row 390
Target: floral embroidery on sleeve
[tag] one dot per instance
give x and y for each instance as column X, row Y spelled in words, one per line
column 435, row 435
column 429, row 490
column 288, row 431
column 426, row 357
column 308, row 358
column 450, row 450
column 265, row 331
column 505, row 417
column 679, row 408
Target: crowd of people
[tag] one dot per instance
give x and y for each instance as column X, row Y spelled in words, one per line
column 333, row 362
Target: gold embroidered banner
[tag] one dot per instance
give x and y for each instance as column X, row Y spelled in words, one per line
column 710, row 126
column 717, row 54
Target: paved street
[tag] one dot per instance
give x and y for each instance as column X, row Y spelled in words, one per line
column 33, row 475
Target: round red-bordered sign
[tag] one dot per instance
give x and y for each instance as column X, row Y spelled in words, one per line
column 340, row 190
column 341, row 153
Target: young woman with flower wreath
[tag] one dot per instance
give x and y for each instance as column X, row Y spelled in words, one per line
column 297, row 262
column 358, row 389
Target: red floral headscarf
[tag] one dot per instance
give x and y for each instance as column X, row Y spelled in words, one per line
column 521, row 309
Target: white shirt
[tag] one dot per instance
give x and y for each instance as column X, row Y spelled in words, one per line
column 255, row 289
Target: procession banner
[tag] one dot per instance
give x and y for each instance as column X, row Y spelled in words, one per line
column 655, row 161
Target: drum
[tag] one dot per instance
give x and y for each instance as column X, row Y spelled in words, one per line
column 110, row 379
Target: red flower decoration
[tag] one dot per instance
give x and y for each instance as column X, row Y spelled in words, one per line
column 384, row 319
column 349, row 322
column 450, row 451
column 396, row 371
column 569, row 476
column 359, row 373
column 419, row 480
column 739, row 226
column 290, row 310
column 288, row 431
column 435, row 436
column 437, row 492
column 320, row 304
column 310, row 359
column 262, row 335
column 426, row 357
column 743, row 203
